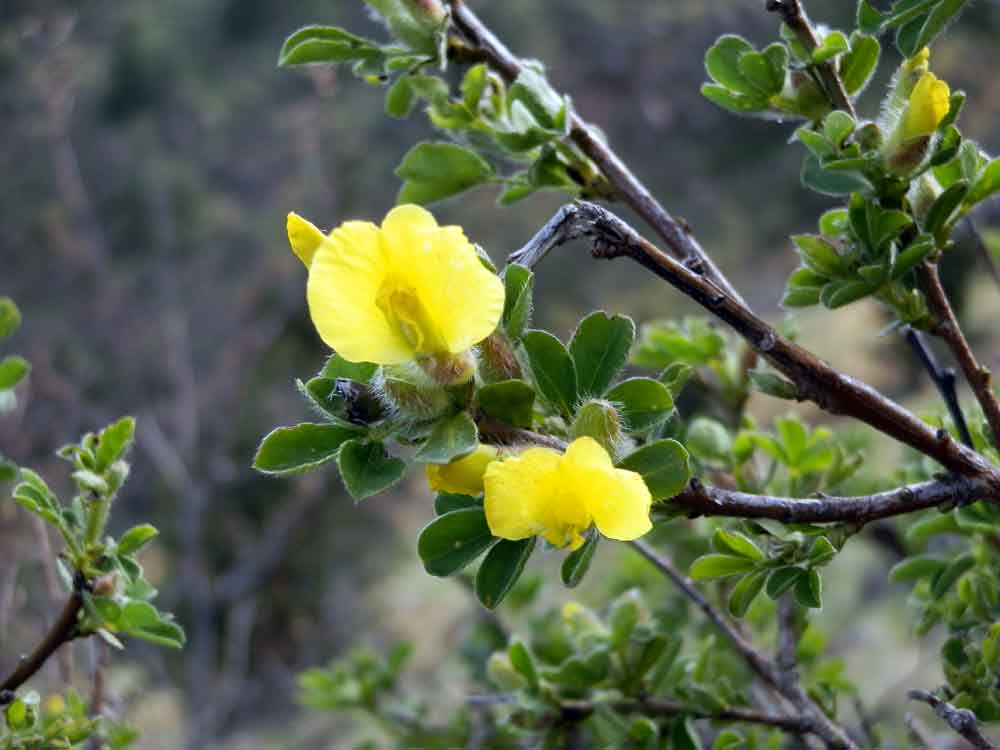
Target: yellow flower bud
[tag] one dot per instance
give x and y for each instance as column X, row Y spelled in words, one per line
column 929, row 103
column 559, row 496
column 392, row 294
column 463, row 476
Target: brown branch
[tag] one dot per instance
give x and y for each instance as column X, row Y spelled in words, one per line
column 962, row 720
column 815, row 379
column 949, row 329
column 795, row 17
column 62, row 631
column 482, row 44
column 809, row 714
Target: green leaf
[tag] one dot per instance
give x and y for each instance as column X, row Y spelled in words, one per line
column 809, row 589
column 936, row 20
column 869, row 19
column 553, row 369
column 451, row 438
column 644, row 402
column 326, row 44
column 708, row 439
column 819, row 255
column 737, row 103
column 832, row 183
column 453, row 540
column 817, row 143
column 840, row 293
column 745, row 591
column 735, row 543
column 837, row 126
column 500, row 570
column 12, row 370
column 822, row 552
column 289, row 450
column 142, row 620
column 522, row 660
column 773, row 385
column 114, row 441
column 367, row 469
column 399, row 99
column 600, row 349
column 663, row 466
column 944, row 580
column 518, row 284
column 545, row 105
column 986, row 185
column 510, row 401
column 719, row 566
column 338, row 367
column 944, row 207
column 474, row 85
column 782, row 579
column 729, row 739
column 577, row 562
column 834, row 43
column 684, row 734
column 858, row 65
column 10, row 317
column 722, row 61
column 757, row 68
column 917, row 567
column 445, row 502
column 136, row 538
column 910, row 258
column 434, row 171
column 834, row 222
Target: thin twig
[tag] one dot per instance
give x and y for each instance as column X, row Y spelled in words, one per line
column 815, row 379
column 948, row 328
column 62, row 631
column 808, row 712
column 795, row 17
column 962, row 720
column 944, row 381
column 485, row 46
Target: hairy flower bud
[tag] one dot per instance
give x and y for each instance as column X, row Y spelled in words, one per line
column 922, row 194
column 407, row 392
column 917, row 104
column 600, row 420
column 497, row 359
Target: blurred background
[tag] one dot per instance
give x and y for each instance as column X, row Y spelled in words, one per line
column 150, row 152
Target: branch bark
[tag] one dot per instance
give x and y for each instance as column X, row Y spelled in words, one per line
column 677, row 236
column 948, row 328
column 962, row 720
column 815, row 379
column 62, row 631
column 944, row 381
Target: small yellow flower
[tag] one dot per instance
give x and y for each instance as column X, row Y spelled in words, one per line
column 394, row 293
column 928, row 105
column 560, row 495
column 464, row 476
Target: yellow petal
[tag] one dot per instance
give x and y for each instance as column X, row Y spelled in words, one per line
column 463, row 476
column 304, row 238
column 345, row 277
column 929, row 103
column 617, row 500
column 461, row 299
column 517, row 492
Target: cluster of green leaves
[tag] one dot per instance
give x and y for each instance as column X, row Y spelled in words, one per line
column 60, row 724
column 917, row 22
column 117, row 597
column 523, row 124
column 13, row 369
column 780, row 81
column 528, row 379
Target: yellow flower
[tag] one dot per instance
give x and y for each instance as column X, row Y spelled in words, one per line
column 394, row 293
column 928, row 105
column 463, row 476
column 560, row 495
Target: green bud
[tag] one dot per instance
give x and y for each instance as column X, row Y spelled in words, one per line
column 708, row 439
column 922, row 194
column 406, row 390
column 416, row 23
column 501, row 672
column 497, row 359
column 599, row 420
column 802, row 96
column 869, row 137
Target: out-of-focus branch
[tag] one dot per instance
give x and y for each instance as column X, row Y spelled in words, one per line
column 944, row 381
column 962, row 720
column 948, row 328
column 811, row 716
column 795, row 17
column 483, row 45
column 814, row 379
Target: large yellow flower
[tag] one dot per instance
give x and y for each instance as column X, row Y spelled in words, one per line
column 929, row 103
column 560, row 495
column 391, row 294
column 463, row 476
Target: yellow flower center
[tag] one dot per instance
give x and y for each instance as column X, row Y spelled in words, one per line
column 407, row 315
